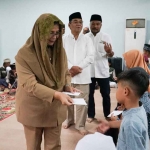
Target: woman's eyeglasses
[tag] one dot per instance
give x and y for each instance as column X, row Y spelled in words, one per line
column 52, row 34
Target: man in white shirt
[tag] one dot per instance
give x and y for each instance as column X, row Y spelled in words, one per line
column 80, row 54
column 99, row 69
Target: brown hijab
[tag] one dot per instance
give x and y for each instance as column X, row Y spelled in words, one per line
column 35, row 51
column 134, row 58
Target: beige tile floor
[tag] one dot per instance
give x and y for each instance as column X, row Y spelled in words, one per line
column 12, row 135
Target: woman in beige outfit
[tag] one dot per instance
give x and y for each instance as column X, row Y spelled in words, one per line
column 42, row 76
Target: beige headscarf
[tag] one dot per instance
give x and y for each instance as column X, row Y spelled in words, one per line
column 134, row 58
column 36, row 49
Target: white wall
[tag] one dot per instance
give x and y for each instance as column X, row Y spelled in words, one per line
column 18, row 16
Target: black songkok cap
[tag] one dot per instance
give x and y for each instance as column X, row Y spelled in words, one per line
column 147, row 47
column 96, row 17
column 75, row 15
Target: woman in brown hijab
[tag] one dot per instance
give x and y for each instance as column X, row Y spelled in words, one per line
column 42, row 76
column 134, row 58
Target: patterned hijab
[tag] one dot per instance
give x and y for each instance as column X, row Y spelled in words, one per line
column 52, row 74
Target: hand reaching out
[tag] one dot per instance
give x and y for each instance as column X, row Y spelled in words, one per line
column 65, row 99
column 114, row 118
column 103, row 126
column 121, row 107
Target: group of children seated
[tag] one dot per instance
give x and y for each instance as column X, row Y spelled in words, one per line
column 8, row 75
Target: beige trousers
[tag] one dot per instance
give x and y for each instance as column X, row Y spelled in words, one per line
column 34, row 137
column 81, row 110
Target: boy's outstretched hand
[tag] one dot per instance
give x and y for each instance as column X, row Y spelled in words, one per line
column 103, row 126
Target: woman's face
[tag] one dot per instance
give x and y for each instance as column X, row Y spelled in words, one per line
column 54, row 34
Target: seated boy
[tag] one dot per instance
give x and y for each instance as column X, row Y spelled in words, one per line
column 133, row 133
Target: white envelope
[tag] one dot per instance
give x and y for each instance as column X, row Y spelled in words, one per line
column 115, row 113
column 79, row 101
column 73, row 94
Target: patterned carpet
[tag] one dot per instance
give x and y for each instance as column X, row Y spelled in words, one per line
column 7, row 104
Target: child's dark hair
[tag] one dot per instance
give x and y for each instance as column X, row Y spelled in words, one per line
column 137, row 78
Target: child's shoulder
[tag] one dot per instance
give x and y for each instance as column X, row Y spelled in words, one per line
column 135, row 119
column 133, row 125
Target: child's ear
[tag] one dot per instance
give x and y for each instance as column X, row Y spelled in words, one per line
column 126, row 91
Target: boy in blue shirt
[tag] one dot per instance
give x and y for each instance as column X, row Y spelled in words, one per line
column 133, row 130
column 133, row 133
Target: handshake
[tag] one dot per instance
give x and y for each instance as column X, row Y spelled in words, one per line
column 105, row 125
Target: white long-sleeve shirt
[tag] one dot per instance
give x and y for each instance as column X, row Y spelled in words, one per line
column 80, row 53
column 100, row 68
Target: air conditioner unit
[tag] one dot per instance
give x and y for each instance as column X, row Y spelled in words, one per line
column 135, row 34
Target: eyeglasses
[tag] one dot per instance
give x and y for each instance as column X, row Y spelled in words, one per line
column 52, row 34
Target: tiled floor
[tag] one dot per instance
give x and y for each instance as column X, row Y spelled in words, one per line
column 12, row 135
